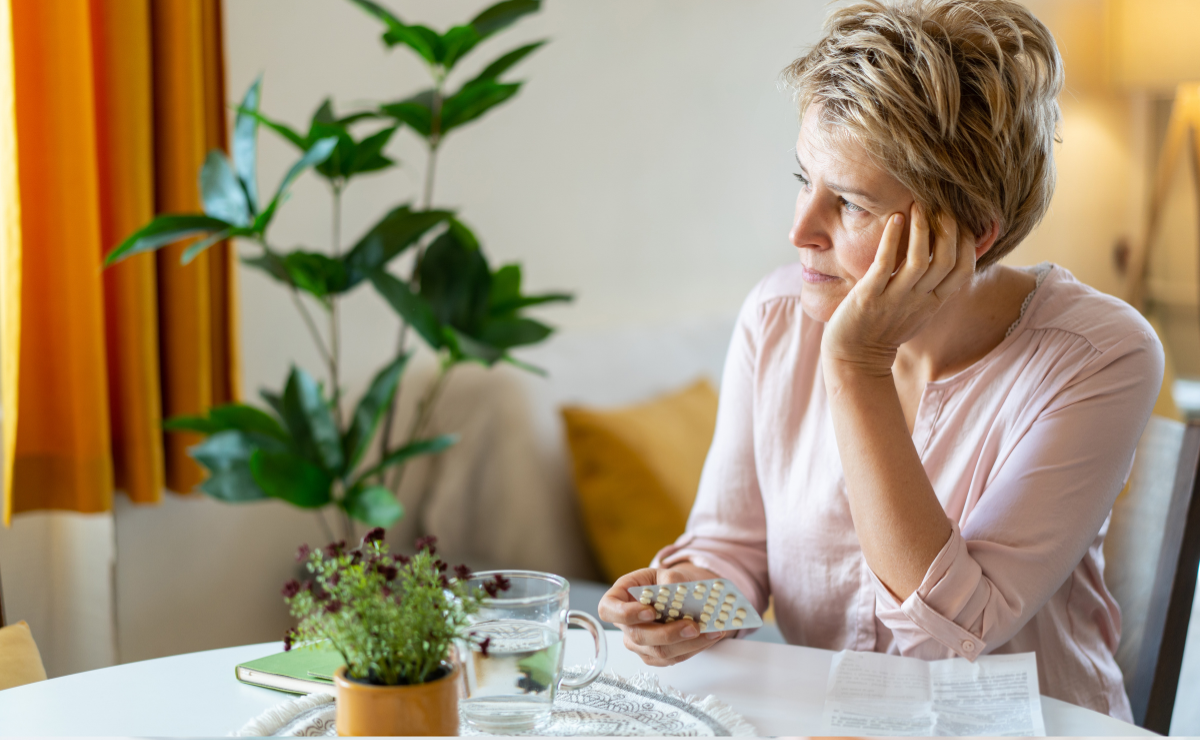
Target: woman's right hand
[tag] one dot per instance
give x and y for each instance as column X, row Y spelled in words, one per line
column 656, row 644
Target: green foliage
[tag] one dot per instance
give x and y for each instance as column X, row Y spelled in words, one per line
column 393, row 619
column 300, row 449
column 297, row 453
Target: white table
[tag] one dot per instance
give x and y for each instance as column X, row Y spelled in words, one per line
column 780, row 689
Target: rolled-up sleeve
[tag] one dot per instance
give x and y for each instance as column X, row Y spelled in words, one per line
column 1039, row 513
column 726, row 532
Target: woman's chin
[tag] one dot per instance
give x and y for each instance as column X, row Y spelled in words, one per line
column 818, row 307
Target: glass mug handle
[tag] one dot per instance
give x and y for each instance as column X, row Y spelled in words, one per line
column 591, row 624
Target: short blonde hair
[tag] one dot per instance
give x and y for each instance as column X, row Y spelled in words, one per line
column 957, row 99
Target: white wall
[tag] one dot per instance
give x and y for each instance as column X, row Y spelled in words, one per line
column 646, row 166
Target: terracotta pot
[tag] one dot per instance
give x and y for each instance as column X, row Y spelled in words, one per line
column 424, row 709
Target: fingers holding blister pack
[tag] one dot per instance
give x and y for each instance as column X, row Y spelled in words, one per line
column 714, row 605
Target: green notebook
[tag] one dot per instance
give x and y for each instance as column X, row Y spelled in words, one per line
column 299, row 671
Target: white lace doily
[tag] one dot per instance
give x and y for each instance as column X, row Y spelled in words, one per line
column 611, row 706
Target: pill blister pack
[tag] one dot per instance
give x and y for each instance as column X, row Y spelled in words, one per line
column 714, row 605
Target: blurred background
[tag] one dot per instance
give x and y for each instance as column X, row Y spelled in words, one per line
column 646, row 166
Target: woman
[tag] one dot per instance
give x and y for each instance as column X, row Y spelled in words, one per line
column 917, row 448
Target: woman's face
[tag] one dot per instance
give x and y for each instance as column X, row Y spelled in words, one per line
column 841, row 210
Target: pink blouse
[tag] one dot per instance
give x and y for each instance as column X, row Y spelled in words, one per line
column 1026, row 449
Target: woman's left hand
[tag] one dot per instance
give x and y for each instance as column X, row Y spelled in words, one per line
column 886, row 308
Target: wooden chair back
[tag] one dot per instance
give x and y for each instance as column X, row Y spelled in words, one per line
column 1152, row 557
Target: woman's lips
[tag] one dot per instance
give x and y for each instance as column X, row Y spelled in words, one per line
column 812, row 276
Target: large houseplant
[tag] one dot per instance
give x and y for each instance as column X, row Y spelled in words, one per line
column 394, row 620
column 307, row 447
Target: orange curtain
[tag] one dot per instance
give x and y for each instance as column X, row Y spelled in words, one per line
column 107, row 108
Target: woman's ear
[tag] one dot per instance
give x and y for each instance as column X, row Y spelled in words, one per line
column 987, row 240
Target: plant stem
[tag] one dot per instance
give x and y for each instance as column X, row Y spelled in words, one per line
column 312, row 325
column 424, row 414
column 385, row 436
column 334, row 329
column 324, row 524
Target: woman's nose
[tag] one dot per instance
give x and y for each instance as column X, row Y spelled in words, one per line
column 808, row 230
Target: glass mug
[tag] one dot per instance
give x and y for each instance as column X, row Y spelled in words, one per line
column 512, row 686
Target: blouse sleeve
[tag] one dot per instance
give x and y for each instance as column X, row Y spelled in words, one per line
column 726, row 532
column 1040, row 513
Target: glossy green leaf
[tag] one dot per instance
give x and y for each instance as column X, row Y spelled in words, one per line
column 226, row 455
column 457, row 43
column 221, row 192
column 284, row 131
column 473, row 100
column 524, row 366
column 370, row 410
column 315, row 155
column 513, row 332
column 409, row 451
column 506, row 286
column 411, row 307
column 245, row 144
column 272, row 399
column 463, row 346
column 390, row 236
column 502, row 15
column 198, row 424
column 415, row 112
column 270, row 263
column 195, row 249
column 233, row 416
column 368, row 155
column 287, row 476
column 455, row 281
column 247, row 419
column 309, row 420
column 504, row 308
column 324, row 113
column 316, row 273
column 379, row 12
column 424, row 41
column 166, row 229
column 374, row 506
column 507, row 62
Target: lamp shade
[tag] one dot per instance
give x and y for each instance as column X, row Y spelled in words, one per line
column 1155, row 44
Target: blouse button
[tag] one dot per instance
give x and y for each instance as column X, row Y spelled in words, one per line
column 968, row 645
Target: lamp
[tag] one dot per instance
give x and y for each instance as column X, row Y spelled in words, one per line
column 1154, row 47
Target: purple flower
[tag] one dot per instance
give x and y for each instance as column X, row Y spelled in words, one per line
column 502, row 583
column 462, row 572
column 356, row 557
column 442, row 579
column 427, row 543
column 302, row 553
column 401, row 560
column 490, row 587
column 375, row 535
column 483, row 646
column 291, row 588
column 289, row 639
column 333, row 607
column 333, row 549
column 440, row 564
column 389, row 572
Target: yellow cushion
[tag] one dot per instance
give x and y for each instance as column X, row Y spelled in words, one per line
column 20, row 662
column 637, row 470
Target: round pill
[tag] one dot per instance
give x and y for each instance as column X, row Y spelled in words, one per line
column 708, row 609
column 676, row 604
column 718, row 586
column 704, row 618
column 673, row 613
column 741, row 613
column 645, row 600
column 723, row 615
column 681, row 587
column 688, row 617
column 712, row 600
column 661, row 599
column 737, row 623
column 730, row 599
column 647, row 592
column 660, row 607
column 719, row 624
column 670, row 619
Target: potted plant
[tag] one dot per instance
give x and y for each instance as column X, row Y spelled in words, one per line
column 394, row 620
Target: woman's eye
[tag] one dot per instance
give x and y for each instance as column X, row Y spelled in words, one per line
column 802, row 179
column 851, row 207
